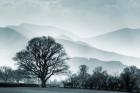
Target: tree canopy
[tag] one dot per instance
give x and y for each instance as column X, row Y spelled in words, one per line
column 43, row 57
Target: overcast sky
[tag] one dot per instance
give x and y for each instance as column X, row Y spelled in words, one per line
column 84, row 17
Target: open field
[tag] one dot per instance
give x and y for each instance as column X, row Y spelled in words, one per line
column 50, row 90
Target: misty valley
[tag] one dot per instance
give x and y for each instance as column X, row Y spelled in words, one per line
column 35, row 58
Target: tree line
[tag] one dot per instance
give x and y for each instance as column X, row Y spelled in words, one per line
column 8, row 75
column 128, row 80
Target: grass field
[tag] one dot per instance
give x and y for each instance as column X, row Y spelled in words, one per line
column 50, row 90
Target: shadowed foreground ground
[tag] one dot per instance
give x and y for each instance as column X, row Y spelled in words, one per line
column 50, row 90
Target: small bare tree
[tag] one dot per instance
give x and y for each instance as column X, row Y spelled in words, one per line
column 6, row 73
column 43, row 57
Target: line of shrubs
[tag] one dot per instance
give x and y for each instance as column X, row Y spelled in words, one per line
column 18, row 85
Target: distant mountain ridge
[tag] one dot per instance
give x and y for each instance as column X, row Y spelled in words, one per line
column 11, row 37
column 31, row 30
column 125, row 41
column 11, row 42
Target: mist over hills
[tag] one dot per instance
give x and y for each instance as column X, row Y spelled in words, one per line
column 79, row 51
column 112, row 67
column 31, row 30
column 76, row 49
column 125, row 41
column 11, row 42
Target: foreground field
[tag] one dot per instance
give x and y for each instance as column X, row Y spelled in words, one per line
column 50, row 90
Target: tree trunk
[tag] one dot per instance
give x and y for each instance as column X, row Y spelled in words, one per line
column 43, row 83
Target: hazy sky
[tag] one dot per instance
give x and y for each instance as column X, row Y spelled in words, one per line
column 83, row 17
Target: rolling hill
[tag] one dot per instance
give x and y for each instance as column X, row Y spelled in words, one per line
column 76, row 49
column 31, row 30
column 11, row 42
column 14, row 40
column 125, row 41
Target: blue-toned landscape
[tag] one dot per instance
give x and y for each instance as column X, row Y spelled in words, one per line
column 69, row 46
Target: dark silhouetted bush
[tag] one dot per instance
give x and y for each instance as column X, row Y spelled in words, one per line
column 18, row 85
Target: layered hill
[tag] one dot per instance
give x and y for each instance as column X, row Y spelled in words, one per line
column 14, row 38
column 125, row 41
column 112, row 67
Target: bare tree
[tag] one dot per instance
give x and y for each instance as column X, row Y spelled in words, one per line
column 74, row 79
column 6, row 73
column 83, row 75
column 43, row 57
column 99, row 78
